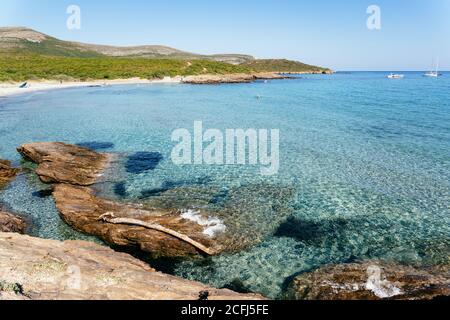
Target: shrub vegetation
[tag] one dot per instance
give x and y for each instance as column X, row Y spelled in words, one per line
column 26, row 67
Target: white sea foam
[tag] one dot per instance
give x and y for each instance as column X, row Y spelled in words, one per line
column 382, row 288
column 212, row 225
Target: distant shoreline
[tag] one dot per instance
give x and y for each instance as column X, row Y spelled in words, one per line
column 10, row 89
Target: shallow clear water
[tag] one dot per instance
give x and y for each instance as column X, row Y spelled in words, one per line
column 364, row 168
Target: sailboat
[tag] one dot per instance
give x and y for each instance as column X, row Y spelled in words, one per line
column 396, row 76
column 433, row 74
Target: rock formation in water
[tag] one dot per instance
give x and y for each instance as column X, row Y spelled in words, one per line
column 63, row 163
column 161, row 233
column 7, row 173
column 231, row 78
column 37, row 269
column 372, row 280
column 11, row 223
column 139, row 227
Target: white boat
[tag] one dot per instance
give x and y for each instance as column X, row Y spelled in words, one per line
column 433, row 74
column 396, row 76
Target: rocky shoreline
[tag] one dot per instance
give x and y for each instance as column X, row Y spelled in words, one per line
column 309, row 72
column 372, row 280
column 233, row 78
column 37, row 269
column 162, row 233
column 11, row 223
column 7, row 172
column 32, row 268
column 8, row 221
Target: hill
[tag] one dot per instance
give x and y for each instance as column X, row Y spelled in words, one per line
column 28, row 41
column 26, row 54
column 283, row 66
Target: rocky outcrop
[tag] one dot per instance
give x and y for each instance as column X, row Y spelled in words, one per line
column 162, row 233
column 372, row 280
column 37, row 269
column 269, row 76
column 327, row 71
column 11, row 223
column 231, row 78
column 7, row 173
column 64, row 163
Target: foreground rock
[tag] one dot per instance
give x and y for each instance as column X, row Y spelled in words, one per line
column 11, row 223
column 64, row 163
column 162, row 233
column 372, row 280
column 231, row 78
column 7, row 173
column 32, row 268
column 131, row 225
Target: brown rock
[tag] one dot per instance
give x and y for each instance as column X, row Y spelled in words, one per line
column 217, row 79
column 64, row 163
column 162, row 233
column 11, row 223
column 32, row 268
column 82, row 210
column 269, row 76
column 326, row 71
column 7, row 173
column 231, row 78
column 372, row 280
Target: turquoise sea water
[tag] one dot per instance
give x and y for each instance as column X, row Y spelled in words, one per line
column 364, row 168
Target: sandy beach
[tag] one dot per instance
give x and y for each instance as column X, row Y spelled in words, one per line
column 9, row 89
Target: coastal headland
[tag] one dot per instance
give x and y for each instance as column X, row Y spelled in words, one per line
column 32, row 61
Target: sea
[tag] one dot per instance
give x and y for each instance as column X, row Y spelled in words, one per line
column 364, row 168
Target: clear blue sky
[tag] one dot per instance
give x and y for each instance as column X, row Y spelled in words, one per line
column 324, row 32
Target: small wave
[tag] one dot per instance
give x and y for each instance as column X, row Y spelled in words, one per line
column 212, row 225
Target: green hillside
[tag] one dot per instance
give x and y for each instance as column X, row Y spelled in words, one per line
column 26, row 54
column 35, row 67
column 281, row 65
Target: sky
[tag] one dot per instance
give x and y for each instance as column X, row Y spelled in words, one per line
column 329, row 33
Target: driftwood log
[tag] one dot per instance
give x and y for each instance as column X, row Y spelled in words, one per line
column 110, row 218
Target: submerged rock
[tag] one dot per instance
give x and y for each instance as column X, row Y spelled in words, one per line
column 64, row 163
column 37, row 269
column 250, row 212
column 11, row 223
column 7, row 173
column 372, row 280
column 163, row 233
